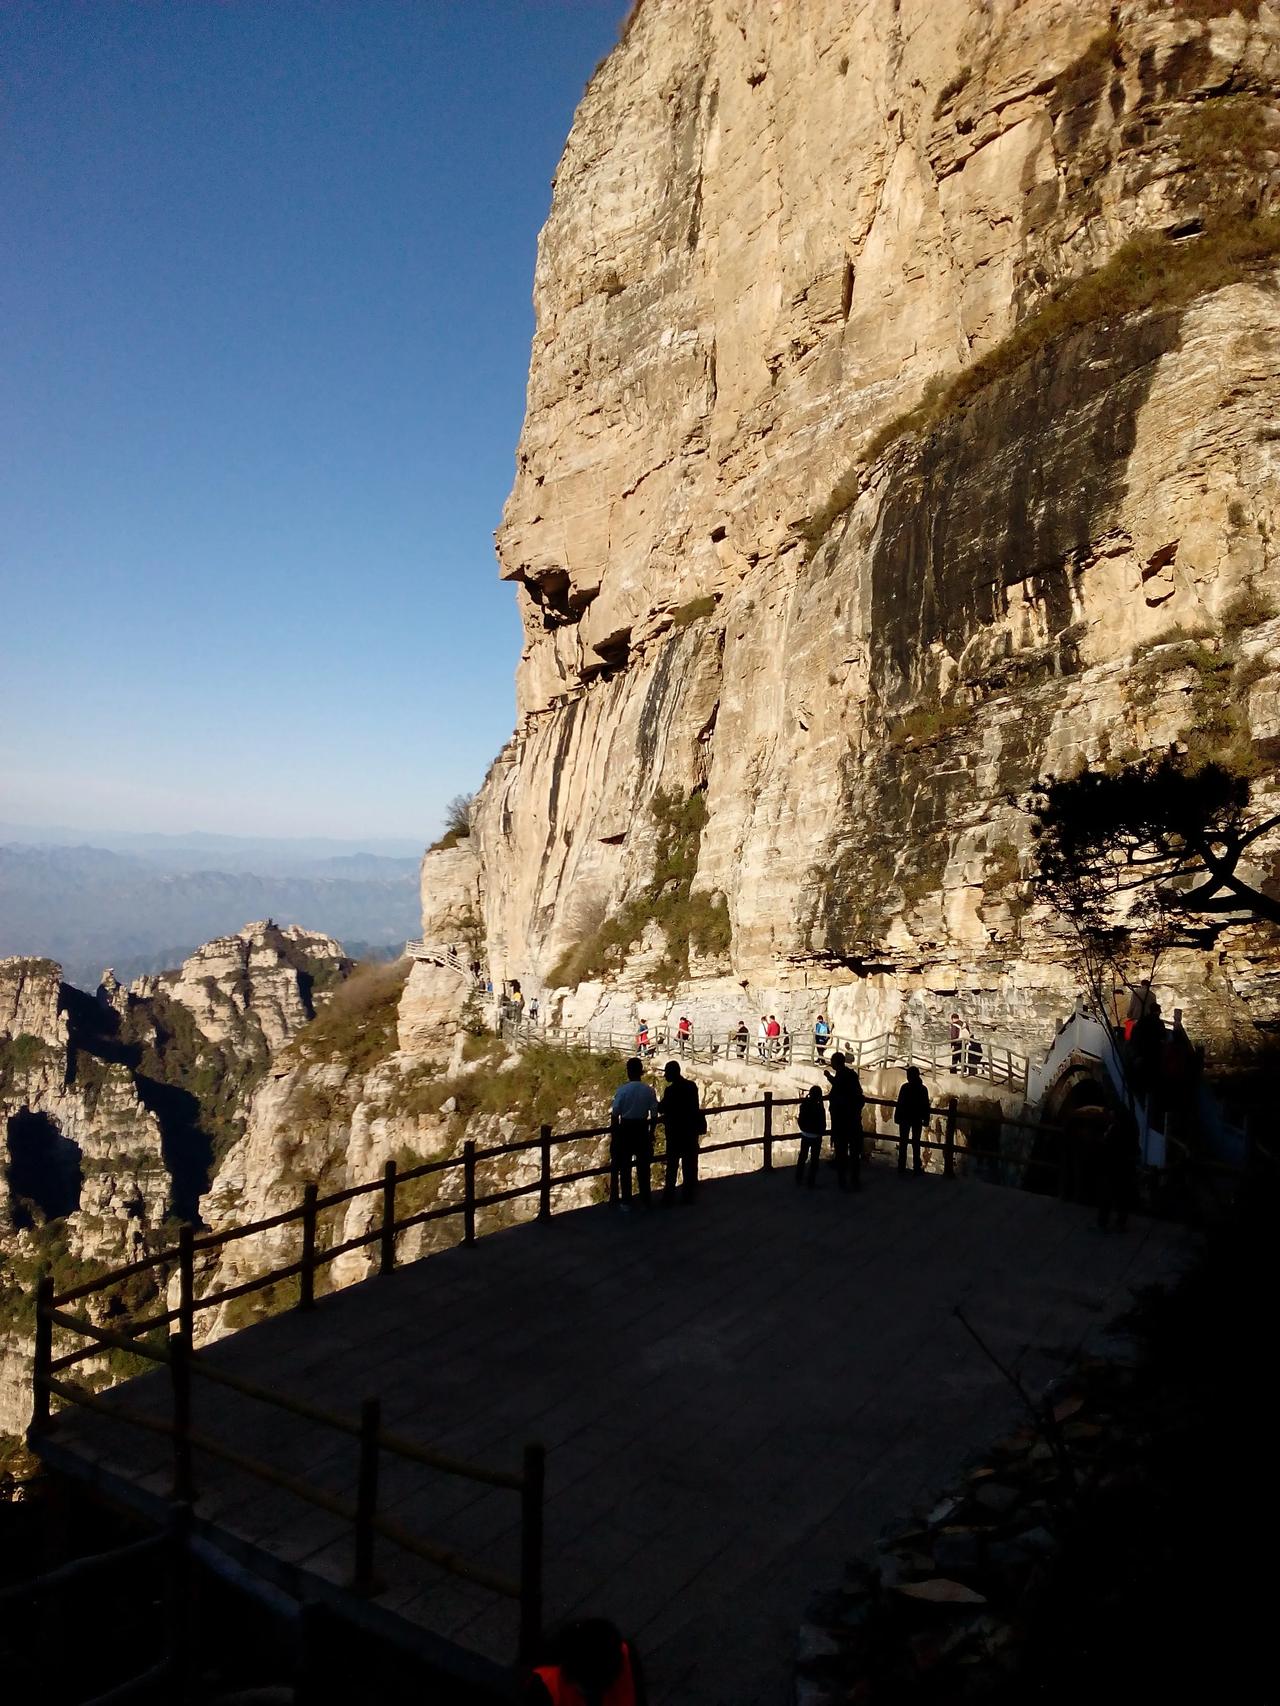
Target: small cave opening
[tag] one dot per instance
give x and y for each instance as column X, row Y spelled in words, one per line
column 44, row 1173
column 613, row 652
column 552, row 595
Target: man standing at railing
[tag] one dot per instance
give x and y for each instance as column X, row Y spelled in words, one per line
column 633, row 1117
column 911, row 1115
column 846, row 1104
column 683, row 1123
column 684, row 1033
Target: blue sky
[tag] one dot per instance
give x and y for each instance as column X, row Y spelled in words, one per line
column 267, row 319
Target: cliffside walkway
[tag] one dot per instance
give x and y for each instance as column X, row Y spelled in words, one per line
column 732, row 1398
column 995, row 1065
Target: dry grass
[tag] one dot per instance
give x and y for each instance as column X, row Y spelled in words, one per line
column 927, row 724
column 357, row 1024
column 1249, row 608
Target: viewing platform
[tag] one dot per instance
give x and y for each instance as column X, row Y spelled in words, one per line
column 733, row 1396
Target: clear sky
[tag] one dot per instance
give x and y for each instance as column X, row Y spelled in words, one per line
column 266, row 309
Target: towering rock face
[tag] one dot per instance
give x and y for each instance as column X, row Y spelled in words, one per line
column 901, row 399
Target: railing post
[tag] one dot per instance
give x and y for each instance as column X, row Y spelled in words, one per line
column 544, row 1177
column 387, row 1243
column 179, row 1598
column 307, row 1279
column 367, row 1494
column 768, row 1131
column 949, row 1141
column 42, row 1356
column 469, row 1186
column 531, row 1490
column 180, row 1380
column 186, row 1290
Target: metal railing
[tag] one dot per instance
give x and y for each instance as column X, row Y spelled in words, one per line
column 995, row 1065
column 439, row 954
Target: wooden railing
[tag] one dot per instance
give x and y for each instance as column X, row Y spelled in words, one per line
column 187, row 1366
column 995, row 1065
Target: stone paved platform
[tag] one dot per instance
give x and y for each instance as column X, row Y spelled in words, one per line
column 734, row 1397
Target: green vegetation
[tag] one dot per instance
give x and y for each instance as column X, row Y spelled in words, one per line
column 537, row 1086
column 1217, row 136
column 273, row 1299
column 486, row 1047
column 457, row 823
column 17, row 1465
column 46, row 1249
column 415, row 1195
column 1217, row 732
column 952, row 88
column 357, row 1025
column 194, row 1086
column 1148, row 273
column 22, row 1055
column 1204, row 10
column 700, row 921
column 927, row 724
column 696, row 610
column 1088, row 69
column 1248, row 609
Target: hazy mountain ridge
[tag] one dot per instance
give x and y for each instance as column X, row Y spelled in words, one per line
column 88, row 907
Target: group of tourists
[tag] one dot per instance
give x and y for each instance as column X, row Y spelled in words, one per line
column 633, row 1120
column 966, row 1050
column 637, row 1110
column 772, row 1041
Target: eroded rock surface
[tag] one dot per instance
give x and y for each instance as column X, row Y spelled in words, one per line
column 114, row 1105
column 746, row 569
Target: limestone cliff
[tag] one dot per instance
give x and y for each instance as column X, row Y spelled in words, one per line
column 901, row 400
column 114, row 1105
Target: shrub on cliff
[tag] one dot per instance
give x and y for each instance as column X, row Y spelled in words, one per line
column 357, row 1025
column 457, row 823
column 687, row 920
column 537, row 1086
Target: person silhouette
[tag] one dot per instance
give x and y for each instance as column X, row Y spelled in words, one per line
column 911, row 1115
column 811, row 1117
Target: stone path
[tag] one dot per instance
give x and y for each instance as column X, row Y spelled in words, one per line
column 734, row 1397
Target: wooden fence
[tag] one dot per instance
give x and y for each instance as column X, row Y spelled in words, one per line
column 188, row 1367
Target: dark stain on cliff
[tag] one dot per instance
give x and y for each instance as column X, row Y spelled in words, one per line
column 1013, row 488
column 563, row 738
column 651, row 711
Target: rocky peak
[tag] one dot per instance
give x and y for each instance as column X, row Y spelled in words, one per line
column 31, row 1001
column 256, row 986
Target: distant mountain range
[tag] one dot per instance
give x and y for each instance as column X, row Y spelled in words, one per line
column 146, row 908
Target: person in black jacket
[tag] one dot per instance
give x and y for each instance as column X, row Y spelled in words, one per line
column 911, row 1115
column 847, row 1102
column 811, row 1117
column 684, row 1122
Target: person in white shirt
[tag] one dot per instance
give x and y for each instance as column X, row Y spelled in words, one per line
column 633, row 1118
